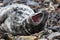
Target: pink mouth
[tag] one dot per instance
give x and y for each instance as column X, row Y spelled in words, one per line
column 37, row 17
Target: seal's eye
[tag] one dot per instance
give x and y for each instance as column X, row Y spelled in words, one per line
column 37, row 17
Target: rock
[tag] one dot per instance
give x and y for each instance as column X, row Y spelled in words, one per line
column 1, row 34
column 26, row 38
column 58, row 1
column 42, row 39
column 10, row 37
column 2, row 39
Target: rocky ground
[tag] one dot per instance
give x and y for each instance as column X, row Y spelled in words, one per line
column 51, row 28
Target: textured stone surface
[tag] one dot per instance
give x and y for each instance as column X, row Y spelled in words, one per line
column 27, row 38
column 2, row 39
column 10, row 37
column 42, row 39
column 58, row 1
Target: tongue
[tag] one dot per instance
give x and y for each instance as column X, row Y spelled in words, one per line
column 36, row 18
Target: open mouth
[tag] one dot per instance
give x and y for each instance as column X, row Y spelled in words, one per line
column 37, row 18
